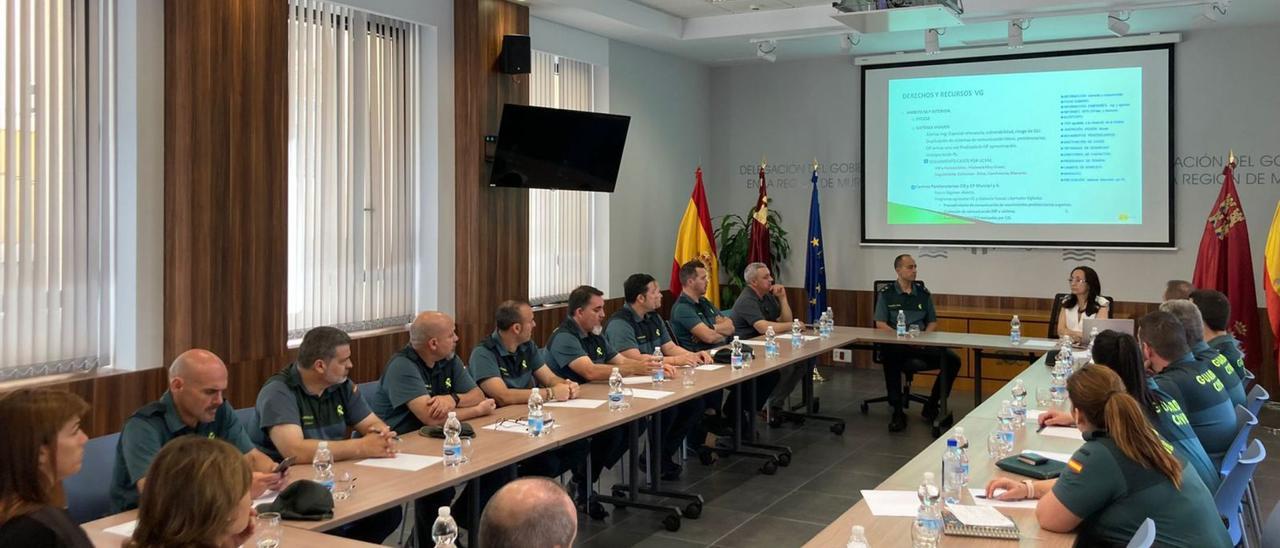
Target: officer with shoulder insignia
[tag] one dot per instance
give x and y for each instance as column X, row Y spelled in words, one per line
column 1191, row 382
column 1216, row 311
column 697, row 324
column 1124, row 474
column 578, row 351
column 312, row 400
column 636, row 330
column 193, row 405
column 909, row 296
column 1193, row 325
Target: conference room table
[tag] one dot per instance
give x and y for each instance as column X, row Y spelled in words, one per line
column 101, row 535
column 978, row 425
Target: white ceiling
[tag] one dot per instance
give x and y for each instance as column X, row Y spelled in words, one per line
column 720, row 33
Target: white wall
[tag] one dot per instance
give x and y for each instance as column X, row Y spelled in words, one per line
column 1224, row 97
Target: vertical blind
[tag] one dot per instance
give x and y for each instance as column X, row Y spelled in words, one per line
column 353, row 167
column 55, row 229
column 561, row 240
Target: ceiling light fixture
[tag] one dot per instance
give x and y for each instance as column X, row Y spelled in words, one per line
column 765, row 50
column 1118, row 22
column 1016, row 26
column 931, row 41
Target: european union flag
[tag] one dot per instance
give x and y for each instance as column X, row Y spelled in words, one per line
column 815, row 269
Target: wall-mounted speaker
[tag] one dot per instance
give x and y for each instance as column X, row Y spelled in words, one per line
column 514, row 58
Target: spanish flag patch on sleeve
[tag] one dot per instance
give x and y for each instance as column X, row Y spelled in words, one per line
column 1075, row 465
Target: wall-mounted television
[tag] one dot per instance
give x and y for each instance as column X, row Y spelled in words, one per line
column 561, row 149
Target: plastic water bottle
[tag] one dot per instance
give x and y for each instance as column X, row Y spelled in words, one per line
column 952, row 473
column 1006, row 426
column 444, row 531
column 902, row 323
column 323, row 463
column 659, row 374
column 770, row 343
column 452, row 440
column 858, row 538
column 1058, row 384
column 797, row 333
column 1093, row 335
column 962, row 443
column 824, row 326
column 1067, row 359
column 1019, row 404
column 735, row 354
column 615, row 390
column 1015, row 330
column 928, row 526
column 533, row 422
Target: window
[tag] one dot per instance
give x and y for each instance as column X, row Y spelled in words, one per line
column 562, row 242
column 55, row 195
column 353, row 167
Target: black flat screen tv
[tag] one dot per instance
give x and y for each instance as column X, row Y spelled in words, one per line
column 558, row 149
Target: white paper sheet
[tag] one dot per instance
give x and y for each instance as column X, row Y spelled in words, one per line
column 514, row 427
column 650, row 394
column 753, row 343
column 402, row 461
column 1069, row 432
column 269, row 496
column 709, row 367
column 124, row 529
column 805, row 338
column 638, row 379
column 979, row 516
column 1025, row 504
column 575, row 404
column 1060, row 457
column 1039, row 343
column 891, row 503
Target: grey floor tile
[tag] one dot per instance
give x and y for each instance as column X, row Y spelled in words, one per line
column 770, row 532
column 811, row 506
column 845, row 485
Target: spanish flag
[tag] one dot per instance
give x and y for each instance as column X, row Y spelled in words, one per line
column 1271, row 277
column 694, row 241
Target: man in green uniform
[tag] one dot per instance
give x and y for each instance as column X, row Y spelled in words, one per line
column 1216, row 311
column 1189, row 381
column 698, row 325
column 193, row 405
column 312, row 400
column 1193, row 326
column 909, row 296
column 761, row 305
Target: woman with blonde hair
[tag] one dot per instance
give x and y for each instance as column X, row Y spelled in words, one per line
column 1122, row 475
column 197, row 495
column 43, row 445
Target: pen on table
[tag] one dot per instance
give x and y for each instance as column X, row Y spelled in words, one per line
column 1042, row 427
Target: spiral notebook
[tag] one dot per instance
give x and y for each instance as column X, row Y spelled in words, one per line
column 978, row 521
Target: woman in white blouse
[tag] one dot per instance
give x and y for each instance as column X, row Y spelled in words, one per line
column 1085, row 301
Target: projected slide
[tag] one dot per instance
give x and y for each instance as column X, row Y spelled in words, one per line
column 1061, row 147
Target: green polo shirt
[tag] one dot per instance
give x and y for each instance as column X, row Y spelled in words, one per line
column 627, row 330
column 1223, row 368
column 149, row 429
column 491, row 359
column 751, row 308
column 325, row 416
column 407, row 378
column 916, row 305
column 1172, row 424
column 687, row 314
column 1114, row 494
column 568, row 342
column 1230, row 347
column 1204, row 399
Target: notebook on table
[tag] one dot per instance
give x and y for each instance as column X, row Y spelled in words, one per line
column 978, row 521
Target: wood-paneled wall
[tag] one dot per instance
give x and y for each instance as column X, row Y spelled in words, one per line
column 492, row 224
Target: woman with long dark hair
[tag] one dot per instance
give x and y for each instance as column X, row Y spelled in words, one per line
column 1085, row 301
column 43, row 445
column 1122, row 475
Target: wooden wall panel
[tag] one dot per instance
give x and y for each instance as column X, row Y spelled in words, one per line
column 492, row 240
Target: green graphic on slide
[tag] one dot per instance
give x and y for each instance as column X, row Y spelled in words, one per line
column 901, row 214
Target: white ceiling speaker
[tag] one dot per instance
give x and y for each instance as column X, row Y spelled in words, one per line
column 765, row 50
column 1118, row 22
column 1015, row 33
column 931, row 41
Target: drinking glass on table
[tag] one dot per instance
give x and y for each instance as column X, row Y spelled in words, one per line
column 267, row 529
column 686, row 375
column 1044, row 397
column 914, row 330
column 627, row 395
column 996, row 448
column 344, row 486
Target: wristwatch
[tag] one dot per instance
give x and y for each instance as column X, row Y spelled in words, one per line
column 456, row 399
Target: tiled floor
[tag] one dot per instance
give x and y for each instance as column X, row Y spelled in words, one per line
column 747, row 509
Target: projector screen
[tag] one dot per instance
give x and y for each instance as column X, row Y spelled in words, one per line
column 1064, row 149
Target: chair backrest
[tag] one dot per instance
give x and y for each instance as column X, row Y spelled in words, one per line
column 367, row 389
column 876, row 288
column 1245, row 421
column 1258, row 396
column 1231, row 492
column 1145, row 536
column 89, row 491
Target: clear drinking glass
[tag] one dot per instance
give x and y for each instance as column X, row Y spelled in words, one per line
column 995, row 446
column 913, row 331
column 267, row 529
column 627, row 395
column 686, row 375
column 344, row 486
column 1044, row 397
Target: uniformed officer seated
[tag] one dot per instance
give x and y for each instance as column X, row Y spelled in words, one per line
column 696, row 324
column 761, row 305
column 914, row 301
column 312, row 400
column 422, row 383
column 1216, row 311
column 635, row 331
column 192, row 405
column 1193, row 326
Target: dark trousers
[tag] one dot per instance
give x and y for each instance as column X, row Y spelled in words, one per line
column 376, row 528
column 552, row 464
column 677, row 422
column 765, row 385
column 900, row 360
column 607, row 449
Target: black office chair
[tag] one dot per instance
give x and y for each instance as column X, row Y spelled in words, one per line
column 1057, row 310
column 907, row 395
